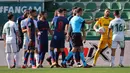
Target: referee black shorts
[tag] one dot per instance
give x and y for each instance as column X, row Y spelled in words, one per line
column 77, row 40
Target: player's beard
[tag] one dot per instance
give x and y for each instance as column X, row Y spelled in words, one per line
column 107, row 15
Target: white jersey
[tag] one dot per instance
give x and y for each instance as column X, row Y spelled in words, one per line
column 24, row 24
column 118, row 26
column 10, row 29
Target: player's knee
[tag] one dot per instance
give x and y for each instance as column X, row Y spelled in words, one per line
column 122, row 49
column 74, row 50
column 99, row 50
column 62, row 49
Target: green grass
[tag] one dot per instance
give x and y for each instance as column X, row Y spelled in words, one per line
column 68, row 70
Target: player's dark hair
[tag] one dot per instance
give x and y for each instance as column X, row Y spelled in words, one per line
column 74, row 8
column 26, row 11
column 65, row 9
column 10, row 16
column 32, row 11
column 43, row 12
column 78, row 10
column 117, row 12
column 60, row 10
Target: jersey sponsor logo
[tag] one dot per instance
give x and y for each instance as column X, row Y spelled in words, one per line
column 106, row 24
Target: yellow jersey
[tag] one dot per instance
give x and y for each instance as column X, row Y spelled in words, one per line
column 104, row 22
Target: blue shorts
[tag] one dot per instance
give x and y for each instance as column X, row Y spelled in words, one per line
column 57, row 42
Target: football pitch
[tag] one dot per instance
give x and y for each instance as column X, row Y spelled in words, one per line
column 67, row 70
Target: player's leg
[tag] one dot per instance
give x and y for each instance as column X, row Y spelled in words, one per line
column 77, row 58
column 41, row 59
column 36, row 52
column 113, row 49
column 8, row 54
column 122, row 46
column 15, row 50
column 32, row 50
column 57, row 53
column 71, row 60
column 49, row 60
column 62, row 43
column 26, row 53
column 36, row 56
column 83, row 58
column 54, row 44
column 70, row 54
column 101, row 45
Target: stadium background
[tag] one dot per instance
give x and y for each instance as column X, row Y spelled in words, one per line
column 92, row 9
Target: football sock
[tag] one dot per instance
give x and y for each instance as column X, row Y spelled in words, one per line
column 16, row 57
column 77, row 56
column 57, row 56
column 32, row 58
column 26, row 58
column 96, row 57
column 112, row 59
column 68, row 57
column 83, row 59
column 121, row 59
column 52, row 55
column 41, row 57
column 63, row 56
column 8, row 59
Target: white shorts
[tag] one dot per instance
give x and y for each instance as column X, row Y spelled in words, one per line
column 11, row 48
column 115, row 44
column 25, row 43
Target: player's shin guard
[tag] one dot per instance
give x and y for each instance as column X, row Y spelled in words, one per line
column 32, row 58
column 52, row 55
column 16, row 57
column 8, row 59
column 68, row 57
column 83, row 59
column 26, row 58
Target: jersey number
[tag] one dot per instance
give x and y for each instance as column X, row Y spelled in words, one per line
column 8, row 30
column 119, row 27
column 60, row 25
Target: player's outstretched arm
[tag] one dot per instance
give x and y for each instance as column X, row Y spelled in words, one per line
column 90, row 21
column 95, row 27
